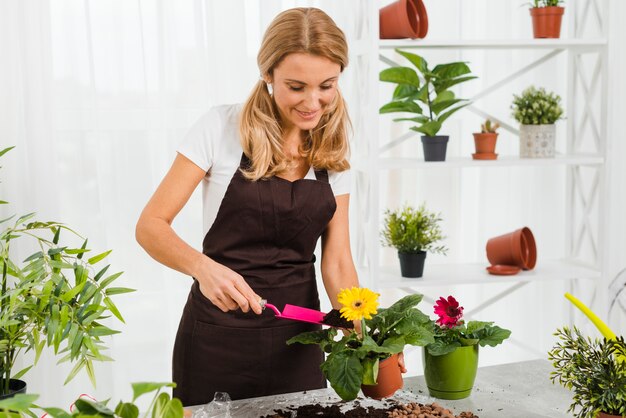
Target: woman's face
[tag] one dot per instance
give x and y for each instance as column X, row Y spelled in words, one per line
column 304, row 85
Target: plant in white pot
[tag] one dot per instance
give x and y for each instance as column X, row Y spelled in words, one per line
column 428, row 95
column 537, row 112
column 413, row 232
column 53, row 298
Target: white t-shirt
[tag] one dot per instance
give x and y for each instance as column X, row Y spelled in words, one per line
column 213, row 144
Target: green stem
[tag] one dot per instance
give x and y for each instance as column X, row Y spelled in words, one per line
column 152, row 403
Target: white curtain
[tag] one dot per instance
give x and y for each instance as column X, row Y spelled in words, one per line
column 96, row 95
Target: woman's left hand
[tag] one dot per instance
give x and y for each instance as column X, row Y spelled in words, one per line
column 401, row 362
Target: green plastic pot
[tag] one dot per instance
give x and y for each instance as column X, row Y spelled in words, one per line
column 451, row 376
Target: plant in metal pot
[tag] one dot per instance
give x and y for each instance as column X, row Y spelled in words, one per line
column 547, row 16
column 55, row 297
column 356, row 359
column 413, row 232
column 426, row 92
column 594, row 370
column 451, row 361
column 485, row 141
column 161, row 406
column 537, row 112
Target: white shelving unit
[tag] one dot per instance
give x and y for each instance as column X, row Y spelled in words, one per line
column 582, row 86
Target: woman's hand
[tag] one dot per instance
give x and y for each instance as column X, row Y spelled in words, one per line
column 227, row 289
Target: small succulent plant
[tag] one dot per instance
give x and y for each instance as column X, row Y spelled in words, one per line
column 489, row 127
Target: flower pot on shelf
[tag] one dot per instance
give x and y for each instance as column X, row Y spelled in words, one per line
column 399, row 20
column 452, row 375
column 389, row 379
column 605, row 415
column 547, row 21
column 422, row 18
column 516, row 248
column 15, row 386
column 537, row 141
column 412, row 264
column 485, row 143
column 435, row 147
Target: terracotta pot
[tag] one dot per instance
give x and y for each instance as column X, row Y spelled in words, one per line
column 15, row 386
column 516, row 248
column 605, row 415
column 485, row 142
column 399, row 20
column 388, row 382
column 547, row 21
column 423, row 18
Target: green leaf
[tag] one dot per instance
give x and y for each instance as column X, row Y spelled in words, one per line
column 77, row 367
column 440, row 347
column 101, row 331
column 451, row 70
column 35, row 256
column 405, row 91
column 93, row 260
column 4, row 151
column 20, row 402
column 55, row 240
column 442, row 85
column 400, row 75
column 73, row 251
column 419, row 62
column 429, row 129
column 408, row 106
column 127, row 410
column 449, row 113
column 493, row 336
column 109, row 304
column 370, row 370
column 475, row 326
column 109, row 279
column 69, row 295
column 437, row 108
column 314, row 337
column 57, row 413
column 99, row 275
column 88, row 407
column 344, row 371
column 142, row 388
column 417, row 119
column 118, row 291
column 164, row 408
column 21, row 373
column 80, row 256
column 25, row 218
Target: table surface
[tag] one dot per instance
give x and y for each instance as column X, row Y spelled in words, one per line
column 514, row 390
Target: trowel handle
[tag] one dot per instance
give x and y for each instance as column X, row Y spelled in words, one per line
column 264, row 304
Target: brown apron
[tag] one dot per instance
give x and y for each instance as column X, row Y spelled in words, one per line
column 266, row 231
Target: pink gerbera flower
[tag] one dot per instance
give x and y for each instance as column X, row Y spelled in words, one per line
column 449, row 312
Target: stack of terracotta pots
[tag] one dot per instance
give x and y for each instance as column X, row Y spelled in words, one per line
column 512, row 252
column 403, row 19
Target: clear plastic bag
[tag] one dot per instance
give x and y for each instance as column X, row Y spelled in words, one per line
column 219, row 407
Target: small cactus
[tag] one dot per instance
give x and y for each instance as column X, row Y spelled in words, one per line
column 489, row 127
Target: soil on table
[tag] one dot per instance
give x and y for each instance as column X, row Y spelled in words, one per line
column 391, row 409
column 334, row 319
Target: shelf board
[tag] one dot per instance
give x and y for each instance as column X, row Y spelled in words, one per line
column 475, row 273
column 492, row 44
column 502, row 161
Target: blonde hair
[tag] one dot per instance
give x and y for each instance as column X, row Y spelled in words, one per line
column 304, row 30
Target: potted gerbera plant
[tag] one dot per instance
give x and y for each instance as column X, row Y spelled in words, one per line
column 367, row 358
column 451, row 361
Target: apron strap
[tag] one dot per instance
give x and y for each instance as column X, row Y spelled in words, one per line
column 321, row 175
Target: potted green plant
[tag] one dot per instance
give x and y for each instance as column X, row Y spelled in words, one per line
column 428, row 95
column 53, row 297
column 161, row 406
column 546, row 16
column 413, row 232
column 537, row 112
column 485, row 141
column 591, row 368
column 354, row 360
column 451, row 361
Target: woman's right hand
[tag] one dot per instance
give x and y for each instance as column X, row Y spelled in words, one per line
column 227, row 289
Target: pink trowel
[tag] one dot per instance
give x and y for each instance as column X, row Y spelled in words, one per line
column 296, row 313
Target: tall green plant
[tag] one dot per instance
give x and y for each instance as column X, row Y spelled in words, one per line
column 428, row 94
column 54, row 298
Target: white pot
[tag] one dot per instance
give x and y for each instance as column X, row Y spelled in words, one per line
column 537, row 141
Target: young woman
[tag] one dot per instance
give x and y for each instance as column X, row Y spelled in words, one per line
column 275, row 179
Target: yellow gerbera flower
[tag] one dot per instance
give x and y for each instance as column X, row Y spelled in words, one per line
column 358, row 303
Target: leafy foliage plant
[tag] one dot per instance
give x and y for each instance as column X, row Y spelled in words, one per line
column 546, row 3
column 412, row 230
column 55, row 298
column 425, row 92
column 537, row 107
column 591, row 368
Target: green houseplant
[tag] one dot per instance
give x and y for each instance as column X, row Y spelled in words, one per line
column 354, row 360
column 162, row 406
column 413, row 232
column 485, row 141
column 53, row 298
column 546, row 16
column 537, row 112
column 451, row 360
column 590, row 367
column 426, row 92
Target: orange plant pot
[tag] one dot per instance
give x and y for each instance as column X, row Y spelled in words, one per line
column 399, row 20
column 485, row 142
column 388, row 382
column 516, row 248
column 547, row 21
